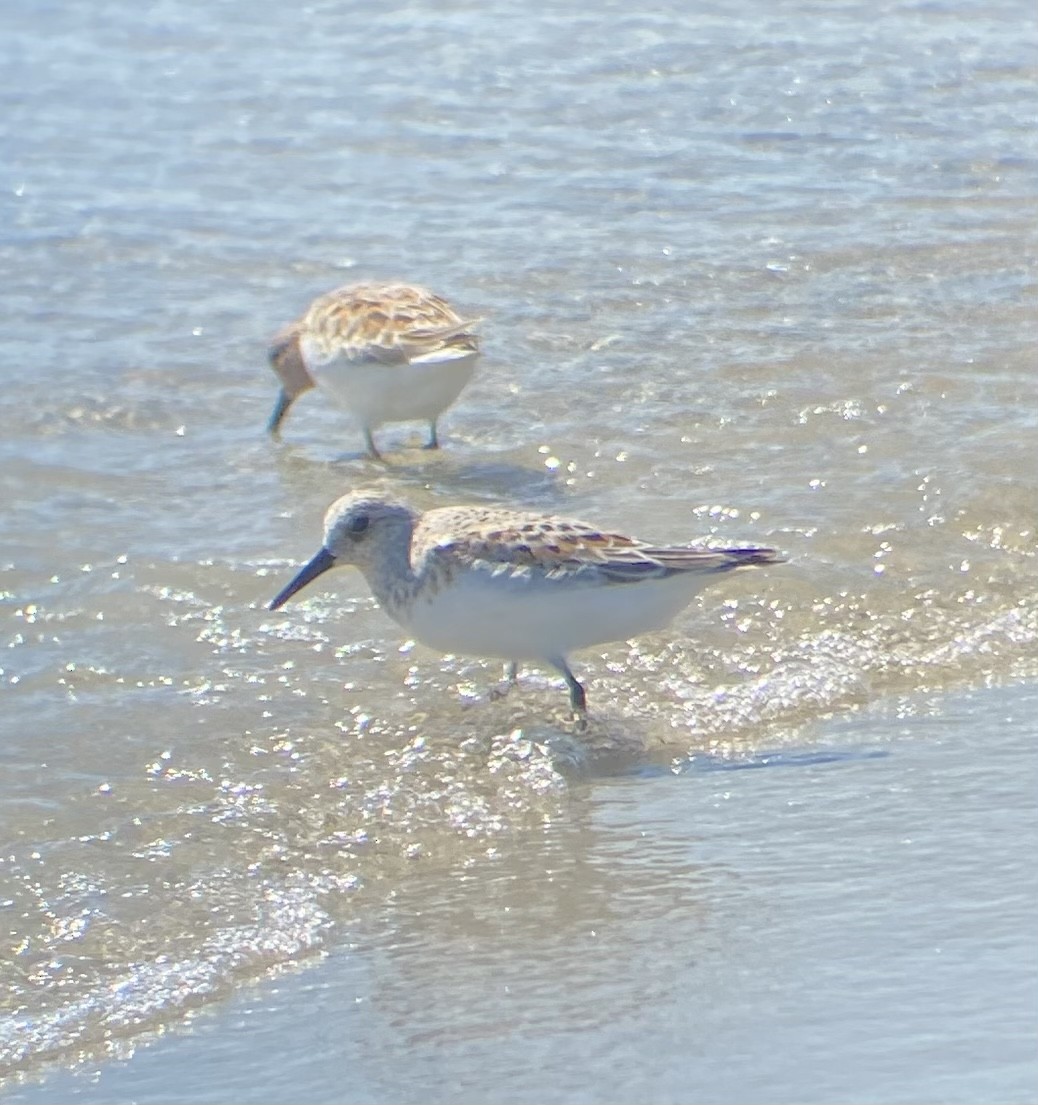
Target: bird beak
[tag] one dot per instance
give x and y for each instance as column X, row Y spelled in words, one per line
column 280, row 410
column 318, row 566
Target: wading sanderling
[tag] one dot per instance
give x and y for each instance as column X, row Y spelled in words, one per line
column 383, row 352
column 491, row 582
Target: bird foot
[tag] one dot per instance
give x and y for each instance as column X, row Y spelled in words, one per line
column 509, row 680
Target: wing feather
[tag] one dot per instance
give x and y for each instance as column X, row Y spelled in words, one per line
column 391, row 324
column 473, row 538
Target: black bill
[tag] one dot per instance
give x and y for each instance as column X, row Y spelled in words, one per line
column 280, row 410
column 307, row 574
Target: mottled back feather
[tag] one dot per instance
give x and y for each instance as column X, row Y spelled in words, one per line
column 390, row 323
column 560, row 547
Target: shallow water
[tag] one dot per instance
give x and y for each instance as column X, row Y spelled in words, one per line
column 847, row 921
column 766, row 277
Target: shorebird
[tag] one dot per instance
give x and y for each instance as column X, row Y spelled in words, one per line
column 383, row 352
column 517, row 586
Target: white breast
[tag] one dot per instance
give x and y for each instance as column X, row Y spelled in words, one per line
column 530, row 617
column 374, row 392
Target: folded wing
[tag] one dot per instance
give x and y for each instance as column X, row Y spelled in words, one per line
column 558, row 548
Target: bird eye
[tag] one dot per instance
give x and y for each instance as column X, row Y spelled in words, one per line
column 359, row 524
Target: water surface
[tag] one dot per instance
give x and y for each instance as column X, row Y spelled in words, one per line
column 761, row 276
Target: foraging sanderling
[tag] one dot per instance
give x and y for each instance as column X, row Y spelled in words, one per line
column 518, row 586
column 383, row 352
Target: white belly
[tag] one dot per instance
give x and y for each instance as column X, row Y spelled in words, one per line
column 375, row 393
column 528, row 619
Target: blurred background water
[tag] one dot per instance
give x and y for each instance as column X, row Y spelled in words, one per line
column 762, row 275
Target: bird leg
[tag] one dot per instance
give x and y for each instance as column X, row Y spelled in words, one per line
column 434, row 441
column 509, row 679
column 577, row 697
column 369, row 441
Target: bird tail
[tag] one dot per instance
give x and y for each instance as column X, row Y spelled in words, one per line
column 648, row 562
column 445, row 343
column 750, row 557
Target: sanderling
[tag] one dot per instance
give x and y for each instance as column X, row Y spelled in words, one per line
column 491, row 582
column 383, row 352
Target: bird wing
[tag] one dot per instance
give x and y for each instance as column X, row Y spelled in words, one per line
column 392, row 324
column 556, row 548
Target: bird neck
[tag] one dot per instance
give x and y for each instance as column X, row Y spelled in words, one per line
column 392, row 578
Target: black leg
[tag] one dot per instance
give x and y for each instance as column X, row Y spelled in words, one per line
column 369, row 441
column 577, row 697
column 434, row 441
